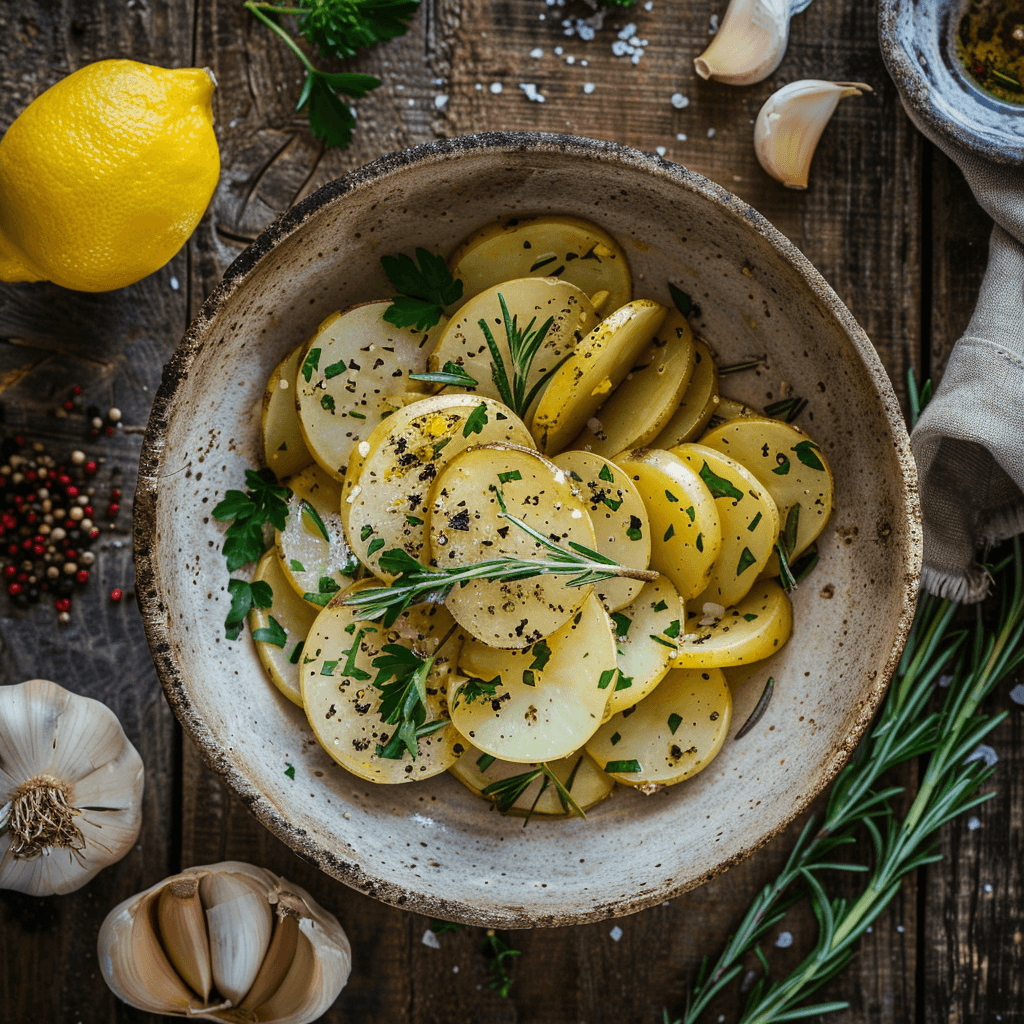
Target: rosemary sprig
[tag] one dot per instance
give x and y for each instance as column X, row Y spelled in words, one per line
column 415, row 582
column 505, row 792
column 859, row 801
column 497, row 951
column 523, row 346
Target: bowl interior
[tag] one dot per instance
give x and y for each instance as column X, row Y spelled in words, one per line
column 432, row 845
column 918, row 41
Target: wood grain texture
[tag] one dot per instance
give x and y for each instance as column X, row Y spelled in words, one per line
column 863, row 223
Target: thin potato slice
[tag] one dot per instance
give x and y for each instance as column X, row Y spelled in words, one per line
column 754, row 629
column 789, row 465
column 698, row 404
column 466, row 524
column 647, row 632
column 343, row 705
column 619, row 517
column 388, row 486
column 750, row 523
column 645, row 401
column 686, row 533
column 316, row 562
column 293, row 616
column 668, row 736
column 577, row 772
column 351, row 372
column 596, row 367
column 528, row 714
column 570, row 249
column 527, row 299
column 284, row 449
column 726, row 410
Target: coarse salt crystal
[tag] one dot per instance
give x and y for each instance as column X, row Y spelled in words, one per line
column 974, row 823
column 785, row 940
column 496, row 87
column 1017, row 694
column 570, row 59
column 983, row 752
column 616, row 933
column 431, row 940
column 531, row 92
column 536, row 53
column 364, row 449
column 355, row 492
column 620, row 48
column 679, row 101
column 681, row 137
column 440, row 101
column 661, row 151
column 588, row 88
column 711, row 133
column 577, row 514
column 628, row 32
column 559, row 51
column 712, row 24
column 174, row 283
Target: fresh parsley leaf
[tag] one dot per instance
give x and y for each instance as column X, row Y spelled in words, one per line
column 606, row 475
column 614, row 738
column 719, row 486
column 341, row 28
column 622, row 623
column 782, row 469
column 297, row 653
column 324, row 95
column 674, row 721
column 423, row 291
column 752, row 525
column 366, row 532
column 672, row 629
column 747, row 559
column 805, row 453
column 623, row 682
column 244, row 596
column 682, row 301
column 476, row 421
column 311, row 364
column 635, row 530
column 512, row 474
column 289, row 770
column 272, row 634
column 630, row 767
column 479, row 689
column 541, row 653
column 670, row 532
column 606, row 678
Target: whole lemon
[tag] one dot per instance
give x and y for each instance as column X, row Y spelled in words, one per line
column 105, row 175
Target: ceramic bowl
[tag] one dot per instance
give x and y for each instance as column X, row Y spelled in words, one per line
column 918, row 41
column 432, row 846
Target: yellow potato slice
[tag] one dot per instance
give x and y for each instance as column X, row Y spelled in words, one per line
column 647, row 632
column 596, row 367
column 668, row 736
column 726, row 410
column 525, row 714
column 343, row 705
column 619, row 517
column 351, row 371
column 567, row 248
column 698, row 404
column 645, row 401
column 284, row 449
column 388, row 485
column 750, row 523
column 317, row 562
column 577, row 772
column 789, row 465
column 292, row 615
column 527, row 299
column 466, row 524
column 755, row 628
column 686, row 533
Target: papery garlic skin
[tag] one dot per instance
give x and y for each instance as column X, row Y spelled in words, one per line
column 790, row 123
column 312, row 969
column 48, row 733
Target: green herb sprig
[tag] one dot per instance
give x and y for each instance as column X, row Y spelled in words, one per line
column 497, row 951
column 423, row 291
column 337, row 28
column 860, row 802
column 415, row 582
column 505, row 792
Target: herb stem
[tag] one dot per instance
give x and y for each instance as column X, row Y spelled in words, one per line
column 257, row 10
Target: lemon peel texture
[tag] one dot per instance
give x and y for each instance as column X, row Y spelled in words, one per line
column 106, row 174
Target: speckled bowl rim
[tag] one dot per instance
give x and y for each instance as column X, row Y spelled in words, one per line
column 915, row 92
column 176, row 373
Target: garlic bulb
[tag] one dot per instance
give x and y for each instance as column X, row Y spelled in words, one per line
column 790, row 124
column 70, row 788
column 751, row 41
column 228, row 942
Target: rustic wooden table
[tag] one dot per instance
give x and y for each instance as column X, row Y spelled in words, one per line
column 887, row 220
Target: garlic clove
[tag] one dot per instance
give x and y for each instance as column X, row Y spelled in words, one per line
column 240, row 922
column 278, row 960
column 134, row 964
column 790, row 124
column 750, row 43
column 182, row 926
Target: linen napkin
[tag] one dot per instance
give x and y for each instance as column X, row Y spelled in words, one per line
column 969, row 441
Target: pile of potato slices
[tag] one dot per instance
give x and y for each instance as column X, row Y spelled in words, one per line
column 614, row 437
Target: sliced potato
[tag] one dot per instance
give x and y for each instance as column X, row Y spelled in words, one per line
column 698, row 404
column 293, row 616
column 284, row 449
column 647, row 632
column 312, row 549
column 596, row 367
column 726, row 410
column 530, row 299
column 351, row 372
column 577, row 772
column 789, row 465
column 343, row 705
column 750, row 523
column 645, row 401
column 388, row 484
column 570, row 249
column 686, row 533
column 754, row 629
column 527, row 714
column 668, row 736
column 466, row 524
column 619, row 517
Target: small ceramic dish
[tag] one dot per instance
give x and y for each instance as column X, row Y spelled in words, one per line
column 432, row 846
column 918, row 41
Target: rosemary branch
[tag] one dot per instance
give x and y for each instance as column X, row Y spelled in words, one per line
column 904, row 731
